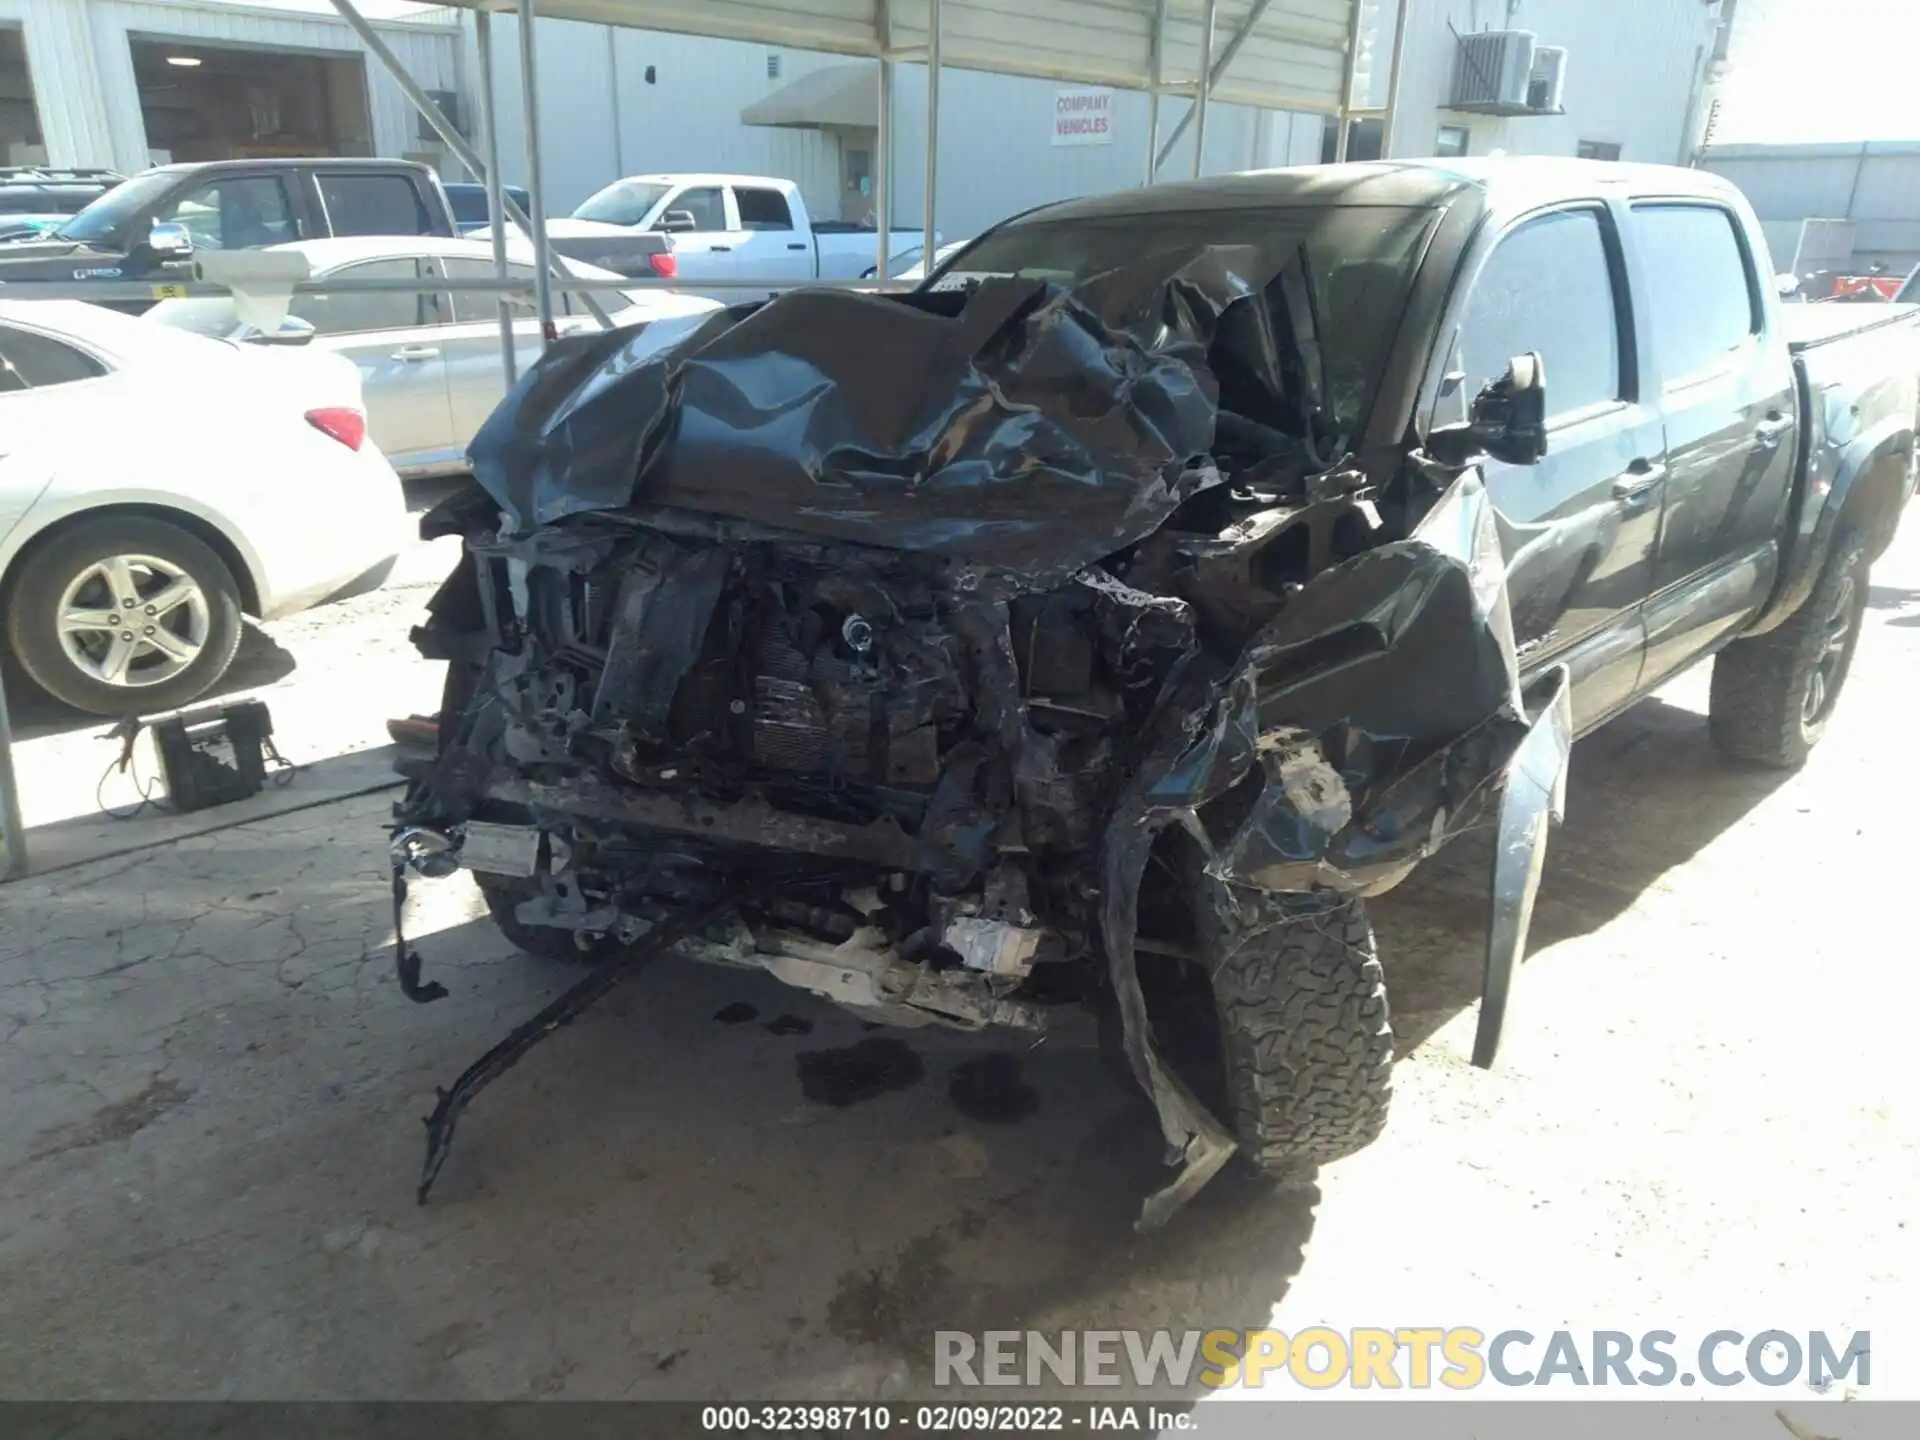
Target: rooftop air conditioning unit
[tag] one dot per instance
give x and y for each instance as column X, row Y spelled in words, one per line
column 1546, row 89
column 1492, row 71
column 448, row 104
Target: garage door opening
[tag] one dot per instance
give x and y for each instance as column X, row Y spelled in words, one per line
column 206, row 102
column 20, row 142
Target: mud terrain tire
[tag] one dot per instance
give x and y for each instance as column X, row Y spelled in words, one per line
column 1306, row 1045
column 1772, row 695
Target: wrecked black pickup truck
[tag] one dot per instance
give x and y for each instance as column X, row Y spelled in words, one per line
column 1170, row 574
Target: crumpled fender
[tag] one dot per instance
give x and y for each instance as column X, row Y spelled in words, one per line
column 1374, row 719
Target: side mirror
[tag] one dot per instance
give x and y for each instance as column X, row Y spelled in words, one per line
column 168, row 241
column 677, row 220
column 1507, row 420
column 1509, row 417
column 291, row 330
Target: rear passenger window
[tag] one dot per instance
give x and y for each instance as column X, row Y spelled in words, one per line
column 347, row 313
column 373, row 205
column 1548, row 287
column 472, row 306
column 37, row 362
column 1699, row 288
column 762, row 209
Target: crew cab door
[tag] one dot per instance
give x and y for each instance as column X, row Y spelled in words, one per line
column 773, row 241
column 1726, row 394
column 397, row 341
column 1579, row 527
column 706, row 251
column 235, row 211
column 475, row 379
column 376, row 202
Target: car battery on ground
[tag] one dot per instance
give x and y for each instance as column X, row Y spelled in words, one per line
column 207, row 757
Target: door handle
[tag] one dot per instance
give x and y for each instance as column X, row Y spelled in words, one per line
column 796, row 245
column 417, row 352
column 720, row 249
column 1638, row 481
column 1769, row 431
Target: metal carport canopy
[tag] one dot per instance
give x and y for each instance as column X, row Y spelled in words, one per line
column 1294, row 57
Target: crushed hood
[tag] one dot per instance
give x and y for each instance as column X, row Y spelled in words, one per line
column 1013, row 426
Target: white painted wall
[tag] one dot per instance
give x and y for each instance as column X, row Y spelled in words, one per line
column 1631, row 70
column 600, row 118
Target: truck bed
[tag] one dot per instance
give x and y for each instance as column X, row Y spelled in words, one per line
column 1809, row 326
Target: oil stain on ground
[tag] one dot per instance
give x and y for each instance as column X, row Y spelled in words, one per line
column 789, row 1025
column 859, row 1071
column 121, row 1120
column 992, row 1090
column 738, row 1013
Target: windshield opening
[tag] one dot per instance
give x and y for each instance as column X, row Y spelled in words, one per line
column 1335, row 275
column 625, row 202
column 106, row 219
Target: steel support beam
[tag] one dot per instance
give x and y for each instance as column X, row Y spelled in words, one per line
column 1156, row 77
column 13, row 834
column 883, row 152
column 1211, row 73
column 496, row 218
column 536, row 193
column 1345, row 117
column 1393, row 82
column 928, row 244
column 443, row 127
column 1204, row 100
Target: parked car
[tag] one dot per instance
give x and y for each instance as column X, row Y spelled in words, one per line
column 149, row 227
column 726, row 227
column 469, row 202
column 155, row 486
column 1128, row 662
column 42, row 190
column 430, row 362
column 912, row 264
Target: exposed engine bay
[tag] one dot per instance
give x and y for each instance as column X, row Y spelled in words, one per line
column 902, row 629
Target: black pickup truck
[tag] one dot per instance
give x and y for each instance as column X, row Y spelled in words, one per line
column 148, row 228
column 1110, row 619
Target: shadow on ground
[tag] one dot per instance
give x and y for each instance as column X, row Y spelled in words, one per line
column 260, row 661
column 661, row 1200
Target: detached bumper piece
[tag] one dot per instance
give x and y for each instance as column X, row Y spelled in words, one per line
column 453, row 1101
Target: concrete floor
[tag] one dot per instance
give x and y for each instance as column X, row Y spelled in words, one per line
column 1704, row 1116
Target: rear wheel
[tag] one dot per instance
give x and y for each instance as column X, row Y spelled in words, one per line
column 124, row 615
column 1773, row 694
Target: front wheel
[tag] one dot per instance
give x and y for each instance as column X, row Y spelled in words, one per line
column 124, row 615
column 1772, row 695
column 1305, row 1038
column 546, row 942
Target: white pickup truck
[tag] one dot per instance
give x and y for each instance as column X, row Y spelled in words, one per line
column 726, row 227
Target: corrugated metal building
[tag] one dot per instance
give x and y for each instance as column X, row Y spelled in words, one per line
column 625, row 101
column 81, row 59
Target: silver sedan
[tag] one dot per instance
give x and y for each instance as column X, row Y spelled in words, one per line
column 429, row 362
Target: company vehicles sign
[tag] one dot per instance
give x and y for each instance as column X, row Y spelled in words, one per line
column 1083, row 116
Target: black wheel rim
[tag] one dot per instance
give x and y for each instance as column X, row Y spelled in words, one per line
column 1823, row 685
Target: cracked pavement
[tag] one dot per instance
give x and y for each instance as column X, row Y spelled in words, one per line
column 1703, row 1116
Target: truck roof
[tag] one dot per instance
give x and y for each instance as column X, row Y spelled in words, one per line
column 282, row 162
column 701, row 177
column 1514, row 181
